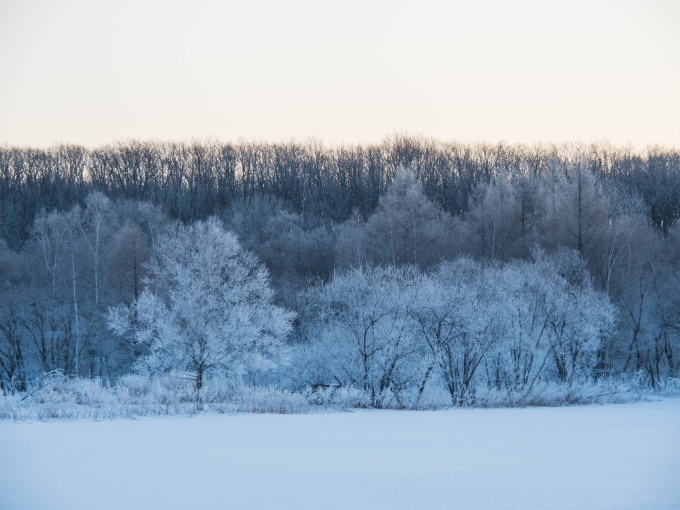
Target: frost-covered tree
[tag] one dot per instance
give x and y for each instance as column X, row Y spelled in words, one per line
column 554, row 321
column 350, row 248
column 208, row 307
column 458, row 313
column 54, row 318
column 575, row 209
column 51, row 232
column 407, row 227
column 494, row 218
column 94, row 229
column 365, row 333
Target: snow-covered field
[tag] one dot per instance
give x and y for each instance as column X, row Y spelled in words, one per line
column 597, row 457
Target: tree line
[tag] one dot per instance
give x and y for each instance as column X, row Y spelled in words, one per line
column 391, row 269
column 323, row 184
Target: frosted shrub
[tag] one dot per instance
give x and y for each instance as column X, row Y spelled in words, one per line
column 217, row 390
column 344, row 397
column 133, row 386
column 88, row 392
column 671, row 387
column 171, row 389
column 548, row 393
column 10, row 407
column 269, row 400
column 55, row 388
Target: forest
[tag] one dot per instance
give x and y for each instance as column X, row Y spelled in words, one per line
column 398, row 274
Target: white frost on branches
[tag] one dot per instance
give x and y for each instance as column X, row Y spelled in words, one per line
column 208, row 307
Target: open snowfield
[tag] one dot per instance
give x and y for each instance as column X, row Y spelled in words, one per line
column 596, row 457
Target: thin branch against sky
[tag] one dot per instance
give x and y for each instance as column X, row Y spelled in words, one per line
column 522, row 71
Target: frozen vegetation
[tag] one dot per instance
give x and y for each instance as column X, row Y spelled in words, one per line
column 610, row 457
column 149, row 279
column 60, row 398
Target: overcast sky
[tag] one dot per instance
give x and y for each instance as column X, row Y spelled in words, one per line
column 91, row 72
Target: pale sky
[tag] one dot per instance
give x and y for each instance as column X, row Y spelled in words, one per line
column 91, row 72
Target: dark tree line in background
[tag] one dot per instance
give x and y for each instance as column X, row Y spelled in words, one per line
column 324, row 185
column 439, row 222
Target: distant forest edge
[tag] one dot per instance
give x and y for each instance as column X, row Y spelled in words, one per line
column 323, row 184
column 401, row 274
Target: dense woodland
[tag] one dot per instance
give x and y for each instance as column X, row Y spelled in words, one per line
column 395, row 269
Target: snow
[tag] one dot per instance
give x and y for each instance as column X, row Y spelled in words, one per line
column 597, row 457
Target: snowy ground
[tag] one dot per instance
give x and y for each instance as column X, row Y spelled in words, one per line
column 597, row 457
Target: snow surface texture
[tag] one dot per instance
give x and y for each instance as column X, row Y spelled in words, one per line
column 597, row 457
